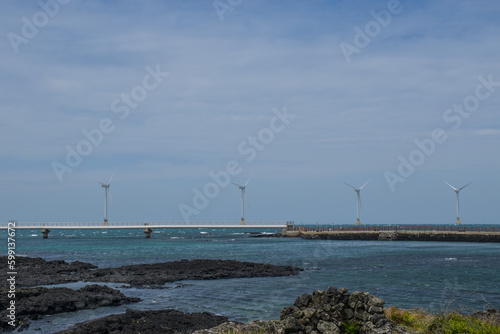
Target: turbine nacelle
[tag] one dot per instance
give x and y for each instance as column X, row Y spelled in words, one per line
column 242, row 187
column 455, row 189
column 357, row 189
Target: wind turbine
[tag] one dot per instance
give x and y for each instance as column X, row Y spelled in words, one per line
column 358, row 200
column 457, row 191
column 243, row 193
column 106, row 191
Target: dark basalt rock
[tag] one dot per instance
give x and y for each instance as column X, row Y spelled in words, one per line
column 36, row 302
column 158, row 274
column 33, row 303
column 37, row 271
column 133, row 322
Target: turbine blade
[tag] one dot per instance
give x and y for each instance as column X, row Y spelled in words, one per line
column 113, row 174
column 364, row 185
column 247, row 181
column 452, row 187
column 102, row 184
column 353, row 187
column 464, row 186
column 236, row 184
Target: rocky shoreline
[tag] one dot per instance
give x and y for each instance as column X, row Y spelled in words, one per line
column 324, row 311
column 35, row 302
column 331, row 311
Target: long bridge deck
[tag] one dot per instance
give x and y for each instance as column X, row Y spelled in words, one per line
column 142, row 225
column 147, row 227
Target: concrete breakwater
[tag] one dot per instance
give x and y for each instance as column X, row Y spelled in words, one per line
column 398, row 235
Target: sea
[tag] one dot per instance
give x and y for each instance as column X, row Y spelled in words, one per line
column 437, row 276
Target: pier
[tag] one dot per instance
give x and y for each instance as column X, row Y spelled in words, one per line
column 398, row 233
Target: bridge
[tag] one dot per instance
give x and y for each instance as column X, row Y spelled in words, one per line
column 146, row 226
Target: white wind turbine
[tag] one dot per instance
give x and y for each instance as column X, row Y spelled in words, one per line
column 358, row 200
column 243, row 194
column 106, row 191
column 457, row 191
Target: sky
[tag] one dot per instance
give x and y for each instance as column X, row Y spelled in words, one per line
column 176, row 100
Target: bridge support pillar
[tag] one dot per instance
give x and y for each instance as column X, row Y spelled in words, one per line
column 147, row 232
column 45, row 233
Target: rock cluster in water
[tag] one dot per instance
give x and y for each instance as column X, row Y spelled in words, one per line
column 37, row 271
column 157, row 274
column 33, row 303
column 150, row 322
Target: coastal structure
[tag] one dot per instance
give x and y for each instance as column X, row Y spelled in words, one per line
column 398, row 233
column 147, row 227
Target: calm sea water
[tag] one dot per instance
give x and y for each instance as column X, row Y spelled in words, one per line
column 433, row 275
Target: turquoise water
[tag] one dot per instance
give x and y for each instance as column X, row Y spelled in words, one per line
column 432, row 275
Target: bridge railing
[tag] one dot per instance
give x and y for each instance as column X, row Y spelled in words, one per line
column 150, row 224
column 392, row 228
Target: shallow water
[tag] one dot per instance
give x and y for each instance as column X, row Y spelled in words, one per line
column 433, row 275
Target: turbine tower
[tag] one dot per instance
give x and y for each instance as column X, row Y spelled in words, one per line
column 457, row 191
column 243, row 194
column 106, row 191
column 358, row 200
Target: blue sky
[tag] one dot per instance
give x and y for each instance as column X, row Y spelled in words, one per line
column 173, row 91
